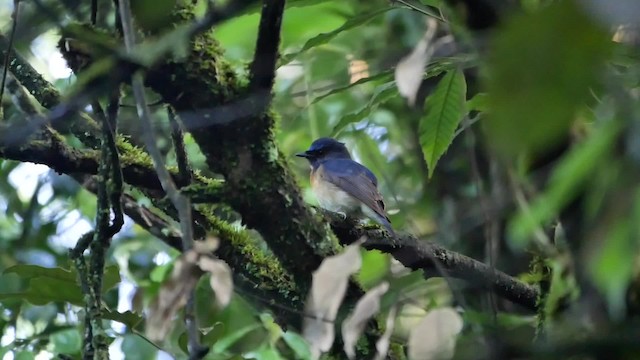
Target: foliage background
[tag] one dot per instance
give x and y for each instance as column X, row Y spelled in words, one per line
column 543, row 186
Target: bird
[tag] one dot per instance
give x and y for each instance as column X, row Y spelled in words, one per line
column 343, row 185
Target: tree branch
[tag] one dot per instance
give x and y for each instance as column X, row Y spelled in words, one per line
column 420, row 255
column 239, row 144
column 263, row 68
column 46, row 94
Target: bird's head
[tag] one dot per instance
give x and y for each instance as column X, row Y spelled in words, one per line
column 325, row 148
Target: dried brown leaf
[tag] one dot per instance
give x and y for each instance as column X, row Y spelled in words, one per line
column 365, row 309
column 382, row 345
column 435, row 336
column 220, row 279
column 328, row 288
column 409, row 71
column 172, row 296
column 175, row 292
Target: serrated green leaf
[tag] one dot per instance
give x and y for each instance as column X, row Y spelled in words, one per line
column 444, row 111
column 326, row 37
column 382, row 94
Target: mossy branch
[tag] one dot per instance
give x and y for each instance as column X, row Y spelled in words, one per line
column 423, row 255
column 237, row 139
column 257, row 273
column 109, row 192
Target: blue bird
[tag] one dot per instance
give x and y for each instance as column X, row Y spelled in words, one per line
column 341, row 184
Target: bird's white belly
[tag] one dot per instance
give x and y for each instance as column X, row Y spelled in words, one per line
column 332, row 198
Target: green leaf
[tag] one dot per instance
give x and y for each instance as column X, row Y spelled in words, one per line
column 47, row 285
column 31, row 271
column 444, row 111
column 566, row 181
column 381, row 95
column 289, row 4
column 66, row 341
column 130, row 319
column 479, row 102
column 375, row 265
column 541, row 69
column 152, row 14
column 265, row 353
column 25, row 355
column 422, row 8
column 614, row 265
column 326, row 37
column 136, row 347
column 226, row 342
column 298, row 344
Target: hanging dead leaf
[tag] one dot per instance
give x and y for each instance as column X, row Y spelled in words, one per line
column 220, row 279
column 435, row 336
column 173, row 296
column 409, row 71
column 175, row 292
column 358, row 69
column 382, row 345
column 365, row 309
column 328, row 288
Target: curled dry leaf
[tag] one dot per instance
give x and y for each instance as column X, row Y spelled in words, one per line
column 185, row 275
column 328, row 288
column 382, row 345
column 409, row 71
column 220, row 280
column 435, row 336
column 173, row 296
column 365, row 309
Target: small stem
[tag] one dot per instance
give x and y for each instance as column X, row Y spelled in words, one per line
column 181, row 203
column 7, row 55
column 313, row 120
column 177, row 136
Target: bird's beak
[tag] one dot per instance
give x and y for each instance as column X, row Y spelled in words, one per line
column 302, row 154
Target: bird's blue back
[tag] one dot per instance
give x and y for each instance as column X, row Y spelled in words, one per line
column 347, row 167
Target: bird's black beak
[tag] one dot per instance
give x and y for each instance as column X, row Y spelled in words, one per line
column 303, row 154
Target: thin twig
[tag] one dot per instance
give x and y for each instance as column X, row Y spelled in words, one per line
column 177, row 137
column 181, row 203
column 94, row 12
column 7, row 55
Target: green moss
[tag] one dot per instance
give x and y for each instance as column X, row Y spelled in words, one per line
column 131, row 154
column 255, row 261
column 396, row 351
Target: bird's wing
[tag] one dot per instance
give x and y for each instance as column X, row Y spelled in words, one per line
column 356, row 180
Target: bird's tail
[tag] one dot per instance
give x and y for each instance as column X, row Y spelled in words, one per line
column 384, row 221
column 380, row 219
